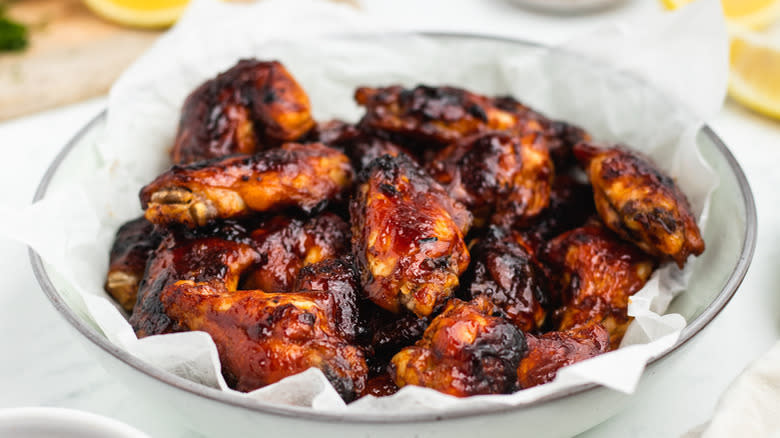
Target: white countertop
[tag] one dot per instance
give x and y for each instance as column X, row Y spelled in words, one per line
column 44, row 365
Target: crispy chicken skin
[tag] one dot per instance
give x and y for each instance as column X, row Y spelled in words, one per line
column 466, row 350
column 295, row 175
column 640, row 203
column 263, row 338
column 407, row 236
column 252, row 106
column 507, row 273
column 337, row 277
column 505, row 173
column 287, row 244
column 133, row 244
column 216, row 255
column 438, row 115
column 551, row 351
column 597, row 273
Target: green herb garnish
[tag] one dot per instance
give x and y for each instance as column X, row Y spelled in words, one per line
column 13, row 35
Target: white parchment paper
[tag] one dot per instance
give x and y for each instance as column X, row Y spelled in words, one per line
column 673, row 72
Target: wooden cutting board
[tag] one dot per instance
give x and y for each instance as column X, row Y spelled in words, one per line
column 73, row 55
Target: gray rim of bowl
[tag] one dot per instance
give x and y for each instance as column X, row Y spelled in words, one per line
column 707, row 315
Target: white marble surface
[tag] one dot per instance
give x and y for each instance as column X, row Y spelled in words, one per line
column 44, row 365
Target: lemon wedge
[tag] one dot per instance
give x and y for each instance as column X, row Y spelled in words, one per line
column 139, row 13
column 755, row 74
column 746, row 14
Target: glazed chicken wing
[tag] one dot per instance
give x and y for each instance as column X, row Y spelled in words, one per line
column 248, row 108
column 438, row 115
column 598, row 273
column 287, row 244
column 295, row 175
column 216, row 255
column 507, row 273
column 640, row 203
column 502, row 174
column 407, row 236
column 134, row 243
column 263, row 338
column 466, row 350
column 552, row 351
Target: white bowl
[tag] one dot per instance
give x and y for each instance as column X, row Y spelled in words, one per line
column 61, row 423
column 568, row 6
column 732, row 213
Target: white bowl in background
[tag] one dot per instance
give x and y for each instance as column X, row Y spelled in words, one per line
column 42, row 422
column 568, row 6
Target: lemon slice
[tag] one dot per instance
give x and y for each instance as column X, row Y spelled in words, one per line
column 139, row 13
column 748, row 14
column 755, row 74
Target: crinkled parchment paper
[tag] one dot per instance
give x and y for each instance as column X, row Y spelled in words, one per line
column 672, row 76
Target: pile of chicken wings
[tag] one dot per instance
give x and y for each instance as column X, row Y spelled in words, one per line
column 448, row 240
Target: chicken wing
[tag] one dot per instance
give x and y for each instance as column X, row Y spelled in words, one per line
column 251, row 106
column 287, row 244
column 640, row 203
column 438, row 115
column 295, row 175
column 508, row 274
column 598, row 273
column 407, row 236
column 466, row 350
column 262, row 338
column 502, row 173
column 217, row 255
column 552, row 351
column 134, row 243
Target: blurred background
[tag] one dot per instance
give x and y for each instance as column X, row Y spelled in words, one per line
column 55, row 52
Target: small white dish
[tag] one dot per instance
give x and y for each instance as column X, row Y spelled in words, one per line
column 567, row 6
column 62, row 423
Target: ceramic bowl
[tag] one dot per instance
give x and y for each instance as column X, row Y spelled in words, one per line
column 39, row 422
column 217, row 413
column 568, row 6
